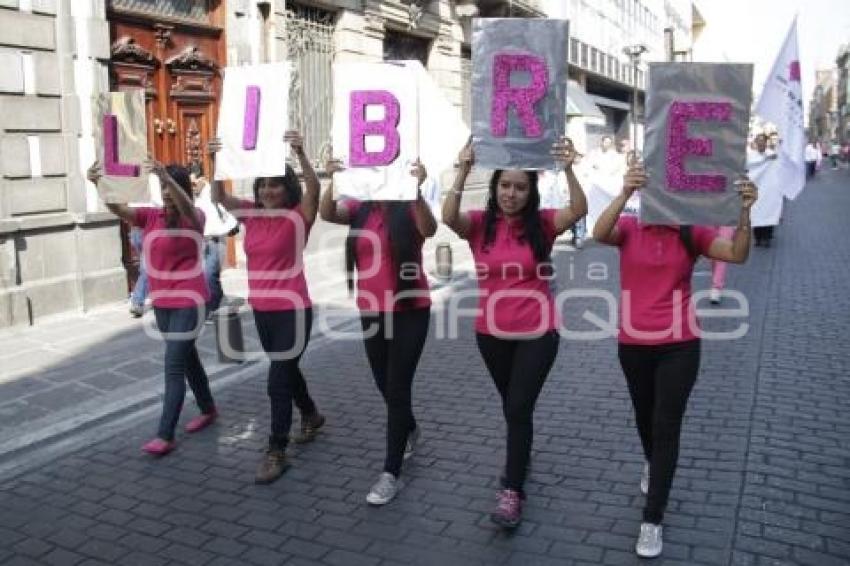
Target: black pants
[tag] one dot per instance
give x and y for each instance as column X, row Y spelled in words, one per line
column 519, row 369
column 811, row 168
column 284, row 336
column 763, row 234
column 182, row 364
column 394, row 342
column 660, row 380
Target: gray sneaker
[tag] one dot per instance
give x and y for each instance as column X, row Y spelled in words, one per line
column 649, row 541
column 644, row 479
column 412, row 440
column 384, row 490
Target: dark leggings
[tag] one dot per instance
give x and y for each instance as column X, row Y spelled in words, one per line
column 763, row 233
column 394, row 342
column 182, row 364
column 519, row 369
column 284, row 336
column 660, row 380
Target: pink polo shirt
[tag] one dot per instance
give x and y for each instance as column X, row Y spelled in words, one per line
column 174, row 262
column 376, row 275
column 655, row 281
column 274, row 250
column 515, row 297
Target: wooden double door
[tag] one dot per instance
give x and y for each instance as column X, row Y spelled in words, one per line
column 178, row 62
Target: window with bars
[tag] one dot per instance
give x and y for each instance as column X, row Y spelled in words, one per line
column 197, row 10
column 310, row 50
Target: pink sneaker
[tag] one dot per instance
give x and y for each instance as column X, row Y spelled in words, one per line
column 158, row 447
column 508, row 513
column 201, row 422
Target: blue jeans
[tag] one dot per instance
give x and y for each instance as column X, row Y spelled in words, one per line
column 140, row 290
column 182, row 364
column 212, row 272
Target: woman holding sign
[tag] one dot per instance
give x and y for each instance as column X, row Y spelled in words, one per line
column 517, row 325
column 659, row 345
column 174, row 237
column 277, row 223
column 384, row 245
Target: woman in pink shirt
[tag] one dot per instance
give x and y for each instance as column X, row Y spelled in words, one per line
column 277, row 223
column 173, row 240
column 384, row 247
column 517, row 324
column 659, row 345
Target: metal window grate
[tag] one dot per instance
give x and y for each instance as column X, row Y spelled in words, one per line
column 310, row 49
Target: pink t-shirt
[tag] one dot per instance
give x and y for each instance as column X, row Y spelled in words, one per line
column 515, row 297
column 655, row 282
column 174, row 262
column 274, row 249
column 376, row 275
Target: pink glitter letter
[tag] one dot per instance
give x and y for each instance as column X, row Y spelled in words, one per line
column 252, row 117
column 360, row 128
column 111, row 165
column 523, row 99
column 679, row 145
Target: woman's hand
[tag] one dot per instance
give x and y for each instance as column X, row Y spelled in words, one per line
column 418, row 170
column 564, row 153
column 466, row 157
column 214, row 145
column 333, row 166
column 156, row 168
column 295, row 141
column 634, row 179
column 94, row 173
column 748, row 191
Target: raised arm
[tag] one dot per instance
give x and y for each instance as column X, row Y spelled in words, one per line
column 310, row 202
column 737, row 249
column 605, row 229
column 422, row 215
column 121, row 210
column 328, row 209
column 182, row 201
column 217, row 193
column 565, row 154
column 452, row 216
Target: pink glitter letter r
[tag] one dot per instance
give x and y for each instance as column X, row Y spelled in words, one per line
column 522, row 98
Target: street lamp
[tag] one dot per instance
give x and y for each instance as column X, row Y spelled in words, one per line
column 634, row 52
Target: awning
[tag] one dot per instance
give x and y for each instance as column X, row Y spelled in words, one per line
column 579, row 104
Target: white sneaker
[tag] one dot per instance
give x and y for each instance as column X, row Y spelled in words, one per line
column 714, row 296
column 649, row 541
column 384, row 490
column 644, row 479
column 412, row 440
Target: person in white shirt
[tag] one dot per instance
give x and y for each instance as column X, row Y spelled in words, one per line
column 218, row 225
column 812, row 156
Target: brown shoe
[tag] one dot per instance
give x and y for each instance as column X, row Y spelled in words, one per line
column 310, row 425
column 272, row 467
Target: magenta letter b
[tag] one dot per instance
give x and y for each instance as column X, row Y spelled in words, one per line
column 359, row 128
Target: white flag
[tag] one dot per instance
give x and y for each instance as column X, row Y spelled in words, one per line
column 781, row 102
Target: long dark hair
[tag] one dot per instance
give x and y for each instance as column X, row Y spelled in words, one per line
column 532, row 229
column 291, row 187
column 402, row 238
column 180, row 174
